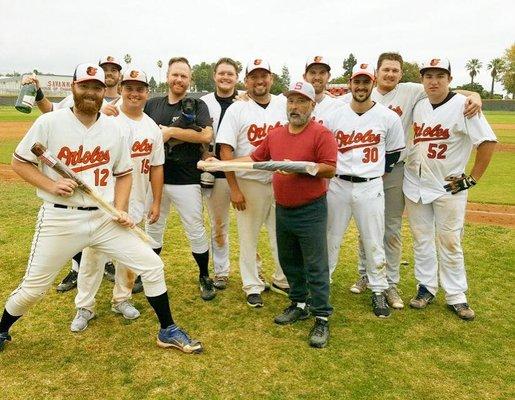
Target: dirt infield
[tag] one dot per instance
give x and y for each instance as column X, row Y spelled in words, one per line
column 14, row 130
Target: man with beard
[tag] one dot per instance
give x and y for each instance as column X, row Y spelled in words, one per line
column 96, row 148
column 301, row 216
column 244, row 127
column 112, row 71
column 183, row 149
column 370, row 139
column 147, row 155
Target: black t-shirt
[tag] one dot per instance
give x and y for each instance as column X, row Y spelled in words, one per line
column 224, row 102
column 180, row 166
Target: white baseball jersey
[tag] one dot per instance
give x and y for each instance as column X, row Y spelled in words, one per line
column 363, row 140
column 325, row 108
column 246, row 124
column 402, row 100
column 147, row 150
column 97, row 154
column 441, row 145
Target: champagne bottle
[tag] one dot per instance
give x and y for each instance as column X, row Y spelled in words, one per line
column 26, row 98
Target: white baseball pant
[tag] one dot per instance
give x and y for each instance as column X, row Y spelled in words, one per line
column 80, row 229
column 393, row 209
column 438, row 226
column 218, row 205
column 365, row 202
column 187, row 200
column 260, row 209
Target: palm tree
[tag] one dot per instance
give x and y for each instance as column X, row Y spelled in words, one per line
column 159, row 65
column 127, row 58
column 473, row 66
column 496, row 66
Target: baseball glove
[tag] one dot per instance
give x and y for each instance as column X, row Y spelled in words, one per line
column 458, row 183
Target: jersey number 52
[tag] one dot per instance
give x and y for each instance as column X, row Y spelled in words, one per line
column 436, row 150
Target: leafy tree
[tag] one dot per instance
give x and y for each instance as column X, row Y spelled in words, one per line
column 410, row 72
column 285, row 76
column 473, row 66
column 340, row 79
column 496, row 67
column 162, row 87
column 127, row 58
column 348, row 64
column 508, row 79
column 202, row 77
column 152, row 84
column 279, row 86
column 475, row 87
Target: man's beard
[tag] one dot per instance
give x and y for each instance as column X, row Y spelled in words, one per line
column 361, row 100
column 87, row 108
column 298, row 120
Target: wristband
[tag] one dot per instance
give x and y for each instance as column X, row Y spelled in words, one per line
column 39, row 95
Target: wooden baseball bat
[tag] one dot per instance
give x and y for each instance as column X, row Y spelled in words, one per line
column 41, row 152
column 299, row 167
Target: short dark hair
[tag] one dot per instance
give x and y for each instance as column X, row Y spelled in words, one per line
column 389, row 56
column 174, row 60
column 227, row 60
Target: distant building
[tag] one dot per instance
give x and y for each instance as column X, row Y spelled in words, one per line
column 52, row 85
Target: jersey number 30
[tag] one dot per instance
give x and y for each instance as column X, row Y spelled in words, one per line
column 370, row 154
column 437, row 150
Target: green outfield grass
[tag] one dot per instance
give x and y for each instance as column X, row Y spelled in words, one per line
column 496, row 186
column 428, row 354
column 11, row 114
column 500, row 117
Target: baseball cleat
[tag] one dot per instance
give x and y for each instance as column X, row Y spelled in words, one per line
column 422, row 299
column 291, row 314
column 380, row 305
column 69, row 282
column 207, row 290
column 360, row 286
column 255, row 300
column 4, row 337
column 173, row 336
column 277, row 289
column 463, row 311
column 220, row 282
column 80, row 322
column 138, row 285
column 319, row 334
column 126, row 309
column 393, row 298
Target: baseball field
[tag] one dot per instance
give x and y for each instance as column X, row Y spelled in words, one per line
column 415, row 354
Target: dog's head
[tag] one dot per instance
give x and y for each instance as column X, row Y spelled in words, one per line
column 189, row 108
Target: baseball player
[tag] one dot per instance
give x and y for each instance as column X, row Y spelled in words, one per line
column 96, row 148
column 183, row 149
column 370, row 139
column 317, row 71
column 147, row 156
column 218, row 202
column 245, row 125
column 435, row 185
column 401, row 98
column 112, row 71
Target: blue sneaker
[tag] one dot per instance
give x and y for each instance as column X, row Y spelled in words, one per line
column 173, row 336
column 4, row 337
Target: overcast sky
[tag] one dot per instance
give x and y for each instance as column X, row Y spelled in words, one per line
column 55, row 35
